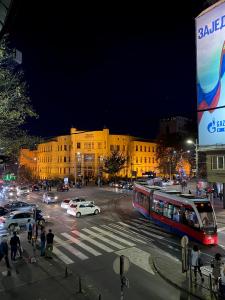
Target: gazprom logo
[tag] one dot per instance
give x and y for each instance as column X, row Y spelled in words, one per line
column 212, row 126
column 216, row 126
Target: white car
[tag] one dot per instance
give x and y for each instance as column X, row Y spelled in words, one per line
column 50, row 197
column 23, row 190
column 67, row 202
column 16, row 218
column 80, row 209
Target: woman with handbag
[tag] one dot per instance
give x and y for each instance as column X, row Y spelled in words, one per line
column 196, row 261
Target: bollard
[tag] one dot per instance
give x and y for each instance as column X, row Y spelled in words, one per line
column 79, row 285
column 100, row 297
column 66, row 272
column 210, row 284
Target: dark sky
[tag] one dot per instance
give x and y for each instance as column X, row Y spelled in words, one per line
column 118, row 65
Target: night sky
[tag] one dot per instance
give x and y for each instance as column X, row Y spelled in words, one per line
column 92, row 66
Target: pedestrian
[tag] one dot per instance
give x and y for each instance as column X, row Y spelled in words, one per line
column 15, row 245
column 221, row 196
column 216, row 265
column 222, row 283
column 29, row 231
column 43, row 241
column 196, row 262
column 4, row 252
column 49, row 244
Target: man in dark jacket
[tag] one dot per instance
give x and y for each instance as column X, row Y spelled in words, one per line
column 4, row 250
column 15, row 245
column 49, row 244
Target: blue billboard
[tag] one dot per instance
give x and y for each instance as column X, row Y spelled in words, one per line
column 210, row 51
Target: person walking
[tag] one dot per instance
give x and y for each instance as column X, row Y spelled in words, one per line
column 15, row 245
column 196, row 261
column 49, row 244
column 216, row 265
column 4, row 252
column 29, row 231
column 43, row 241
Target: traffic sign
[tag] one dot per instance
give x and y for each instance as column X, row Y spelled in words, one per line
column 117, row 264
column 184, row 241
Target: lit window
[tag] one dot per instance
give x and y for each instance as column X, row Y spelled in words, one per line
column 78, row 146
column 136, row 147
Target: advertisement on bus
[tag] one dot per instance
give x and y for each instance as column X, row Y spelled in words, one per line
column 210, row 51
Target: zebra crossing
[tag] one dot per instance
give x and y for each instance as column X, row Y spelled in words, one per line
column 117, row 237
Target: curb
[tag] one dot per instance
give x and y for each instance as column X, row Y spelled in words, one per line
column 174, row 283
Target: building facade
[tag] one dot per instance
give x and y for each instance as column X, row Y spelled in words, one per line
column 82, row 154
column 174, row 125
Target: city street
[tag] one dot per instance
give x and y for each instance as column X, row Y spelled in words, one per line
column 89, row 245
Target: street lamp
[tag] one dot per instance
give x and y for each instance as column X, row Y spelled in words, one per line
column 190, row 142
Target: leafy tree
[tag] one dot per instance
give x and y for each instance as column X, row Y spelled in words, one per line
column 15, row 106
column 114, row 163
column 24, row 175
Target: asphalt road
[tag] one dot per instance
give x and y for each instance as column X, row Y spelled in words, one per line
column 90, row 244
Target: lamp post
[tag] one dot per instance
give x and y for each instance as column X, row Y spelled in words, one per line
column 196, row 154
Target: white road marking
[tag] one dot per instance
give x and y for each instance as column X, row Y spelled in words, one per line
column 62, row 256
column 71, row 249
column 123, row 234
column 113, row 236
column 152, row 234
column 120, row 227
column 139, row 258
column 116, row 245
column 81, row 244
column 92, row 241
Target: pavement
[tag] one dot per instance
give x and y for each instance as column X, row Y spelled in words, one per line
column 171, row 271
column 28, row 280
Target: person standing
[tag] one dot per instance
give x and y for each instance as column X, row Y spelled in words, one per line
column 196, row 261
column 43, row 241
column 4, row 252
column 49, row 244
column 29, row 231
column 216, row 265
column 15, row 245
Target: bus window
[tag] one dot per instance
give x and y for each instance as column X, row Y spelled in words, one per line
column 170, row 211
column 177, row 214
column 158, row 206
column 189, row 217
column 206, row 214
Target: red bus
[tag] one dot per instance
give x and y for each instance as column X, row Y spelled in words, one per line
column 182, row 214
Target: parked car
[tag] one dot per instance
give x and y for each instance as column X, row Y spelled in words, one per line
column 81, row 209
column 63, row 188
column 20, row 206
column 23, row 190
column 67, row 202
column 16, row 218
column 49, row 197
column 3, row 211
column 35, row 188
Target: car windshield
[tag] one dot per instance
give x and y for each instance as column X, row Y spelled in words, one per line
column 206, row 214
column 51, row 194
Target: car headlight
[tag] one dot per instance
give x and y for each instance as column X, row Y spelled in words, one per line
column 56, row 197
column 11, row 194
column 48, row 198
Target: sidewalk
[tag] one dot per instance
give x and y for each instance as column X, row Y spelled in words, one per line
column 45, row 279
column 171, row 271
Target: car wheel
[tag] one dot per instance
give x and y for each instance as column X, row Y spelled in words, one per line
column 78, row 215
column 96, row 212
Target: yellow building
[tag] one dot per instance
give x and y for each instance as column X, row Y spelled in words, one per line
column 82, row 154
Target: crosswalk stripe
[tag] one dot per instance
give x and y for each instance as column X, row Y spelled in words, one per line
column 137, row 233
column 71, row 249
column 62, row 256
column 113, row 236
column 152, row 234
column 116, row 245
column 92, row 241
column 81, row 244
column 124, row 234
column 155, row 233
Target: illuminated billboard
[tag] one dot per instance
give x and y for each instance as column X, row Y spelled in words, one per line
column 210, row 50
